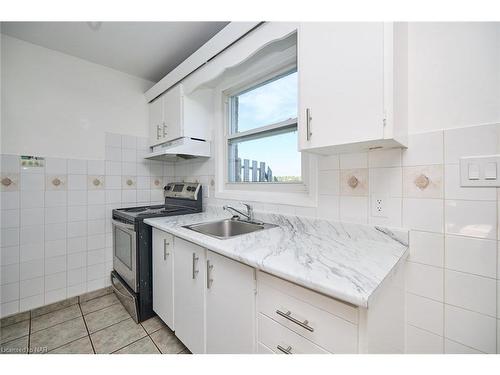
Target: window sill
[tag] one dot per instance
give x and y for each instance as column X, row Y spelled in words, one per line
column 303, row 199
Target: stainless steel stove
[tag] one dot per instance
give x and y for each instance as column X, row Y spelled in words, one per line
column 131, row 277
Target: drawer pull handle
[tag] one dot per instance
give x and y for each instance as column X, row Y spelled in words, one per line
column 288, row 350
column 288, row 315
column 195, row 260
column 165, row 247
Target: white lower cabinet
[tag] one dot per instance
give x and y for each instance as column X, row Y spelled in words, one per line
column 163, row 276
column 230, row 297
column 218, row 305
column 189, row 294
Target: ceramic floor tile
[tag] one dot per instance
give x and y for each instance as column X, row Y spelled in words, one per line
column 17, row 346
column 54, row 307
column 55, row 317
column 14, row 331
column 167, row 342
column 98, row 303
column 105, row 317
column 80, row 346
column 142, row 346
column 4, row 322
column 58, row 335
column 153, row 324
column 117, row 336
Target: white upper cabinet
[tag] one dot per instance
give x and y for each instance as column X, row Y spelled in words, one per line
column 174, row 115
column 230, row 302
column 349, row 77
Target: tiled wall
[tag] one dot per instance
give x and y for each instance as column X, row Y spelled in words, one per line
column 453, row 270
column 56, row 220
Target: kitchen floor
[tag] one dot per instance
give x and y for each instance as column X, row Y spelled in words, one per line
column 93, row 324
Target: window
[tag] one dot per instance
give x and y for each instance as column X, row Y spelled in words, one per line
column 262, row 132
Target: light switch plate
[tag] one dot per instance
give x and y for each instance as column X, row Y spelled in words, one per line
column 480, row 171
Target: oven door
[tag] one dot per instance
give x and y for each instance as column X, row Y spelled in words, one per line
column 125, row 252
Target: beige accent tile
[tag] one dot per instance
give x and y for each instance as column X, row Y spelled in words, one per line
column 95, row 182
column 117, row 336
column 167, row 342
column 14, row 331
column 17, row 346
column 54, row 307
column 361, row 175
column 58, row 335
column 98, row 303
column 434, row 174
column 153, row 324
column 55, row 317
column 56, row 182
column 11, row 181
column 105, row 317
column 142, row 346
column 80, row 346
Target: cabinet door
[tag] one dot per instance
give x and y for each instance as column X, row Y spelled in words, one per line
column 172, row 127
column 230, row 306
column 189, row 294
column 156, row 121
column 341, row 78
column 163, row 276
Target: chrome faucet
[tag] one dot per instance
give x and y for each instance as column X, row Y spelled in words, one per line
column 249, row 215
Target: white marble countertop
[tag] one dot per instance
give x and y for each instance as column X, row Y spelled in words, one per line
column 342, row 260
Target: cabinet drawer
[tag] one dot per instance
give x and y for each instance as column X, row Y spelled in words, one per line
column 262, row 349
column 331, row 332
column 273, row 336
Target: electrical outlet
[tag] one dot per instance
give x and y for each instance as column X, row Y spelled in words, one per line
column 378, row 206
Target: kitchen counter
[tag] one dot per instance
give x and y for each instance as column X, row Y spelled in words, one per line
column 342, row 260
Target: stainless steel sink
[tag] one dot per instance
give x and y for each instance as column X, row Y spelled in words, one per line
column 228, row 228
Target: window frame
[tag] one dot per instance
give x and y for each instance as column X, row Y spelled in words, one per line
column 273, row 128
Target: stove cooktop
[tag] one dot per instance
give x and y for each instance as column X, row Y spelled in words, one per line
column 153, row 211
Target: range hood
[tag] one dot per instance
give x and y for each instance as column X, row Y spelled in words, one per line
column 185, row 148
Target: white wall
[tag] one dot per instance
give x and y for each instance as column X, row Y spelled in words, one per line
column 453, row 75
column 56, row 105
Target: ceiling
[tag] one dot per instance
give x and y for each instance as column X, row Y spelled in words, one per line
column 147, row 50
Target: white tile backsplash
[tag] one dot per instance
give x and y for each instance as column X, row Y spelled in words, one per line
column 427, row 248
column 476, row 256
column 470, row 329
column 425, row 281
column 419, row 341
column 425, row 313
column 470, row 141
column 470, row 292
column 48, row 229
column 423, row 214
column 424, row 149
column 471, row 218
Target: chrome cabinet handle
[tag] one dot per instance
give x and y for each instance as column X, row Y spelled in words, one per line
column 195, row 271
column 158, row 130
column 288, row 350
column 210, row 267
column 164, row 129
column 165, row 253
column 308, row 124
column 288, row 315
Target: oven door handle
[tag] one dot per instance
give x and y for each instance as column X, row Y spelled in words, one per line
column 128, row 227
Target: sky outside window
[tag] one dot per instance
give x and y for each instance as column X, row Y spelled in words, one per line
column 268, row 104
